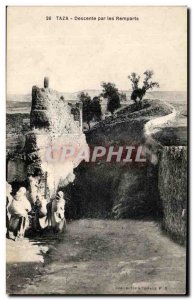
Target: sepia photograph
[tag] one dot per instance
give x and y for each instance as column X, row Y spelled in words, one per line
column 96, row 150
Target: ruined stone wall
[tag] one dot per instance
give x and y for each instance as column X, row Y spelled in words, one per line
column 172, row 184
column 16, row 170
column 52, row 127
column 50, row 111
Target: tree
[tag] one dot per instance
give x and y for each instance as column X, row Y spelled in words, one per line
column 139, row 93
column 149, row 85
column 96, row 108
column 111, row 93
column 86, row 107
column 91, row 108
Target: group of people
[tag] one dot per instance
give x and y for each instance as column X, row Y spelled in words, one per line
column 21, row 213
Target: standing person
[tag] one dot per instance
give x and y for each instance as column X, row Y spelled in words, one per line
column 58, row 220
column 39, row 213
column 9, row 199
column 19, row 209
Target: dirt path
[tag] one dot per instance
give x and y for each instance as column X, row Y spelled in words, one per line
column 102, row 257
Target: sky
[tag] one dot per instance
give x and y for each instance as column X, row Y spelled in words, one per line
column 79, row 55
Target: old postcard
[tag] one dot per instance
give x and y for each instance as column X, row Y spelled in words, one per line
column 96, row 155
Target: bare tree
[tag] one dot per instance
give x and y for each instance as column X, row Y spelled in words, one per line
column 138, row 93
column 134, row 78
column 147, row 84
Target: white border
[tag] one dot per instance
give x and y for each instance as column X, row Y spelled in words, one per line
column 3, row 4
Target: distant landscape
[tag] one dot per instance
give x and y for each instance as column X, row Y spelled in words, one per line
column 18, row 103
column 19, row 106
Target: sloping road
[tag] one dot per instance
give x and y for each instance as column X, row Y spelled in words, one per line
column 102, row 257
